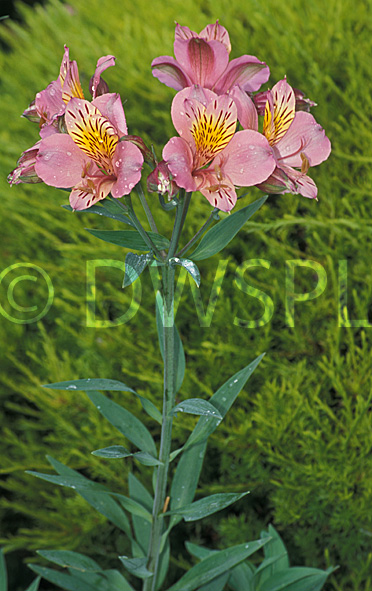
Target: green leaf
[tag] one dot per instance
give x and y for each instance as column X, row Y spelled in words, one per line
column 3, row 575
column 200, row 552
column 217, row 584
column 116, row 581
column 197, row 406
column 180, row 363
column 215, row 565
column 34, row 585
column 90, row 384
column 207, row 506
column 136, row 566
column 142, row 528
column 189, row 466
column 68, row 482
column 118, row 451
column 297, row 578
column 133, row 507
column 106, row 506
column 242, row 577
column 70, row 559
column 223, row 232
column 63, row 580
column 108, row 210
column 112, row 385
column 276, row 557
column 190, row 267
column 134, row 265
column 124, row 421
column 130, row 238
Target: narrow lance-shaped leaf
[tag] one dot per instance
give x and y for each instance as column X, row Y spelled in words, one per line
column 142, row 528
column 189, row 466
column 134, row 265
column 118, row 451
column 70, row 559
column 124, row 421
column 297, row 578
column 104, row 505
column 130, row 239
column 34, row 585
column 207, row 506
column 222, row 233
column 136, row 566
column 106, row 384
column 197, row 406
column 108, row 210
column 63, row 580
column 190, row 267
column 215, row 565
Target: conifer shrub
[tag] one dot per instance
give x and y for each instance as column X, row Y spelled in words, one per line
column 300, row 436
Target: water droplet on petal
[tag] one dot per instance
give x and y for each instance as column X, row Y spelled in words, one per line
column 68, row 153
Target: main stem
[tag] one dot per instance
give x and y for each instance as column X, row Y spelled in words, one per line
column 166, row 431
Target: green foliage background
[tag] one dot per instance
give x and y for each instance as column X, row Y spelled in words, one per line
column 300, row 437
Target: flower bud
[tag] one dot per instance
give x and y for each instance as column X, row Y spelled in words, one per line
column 138, row 141
column 161, row 181
column 25, row 171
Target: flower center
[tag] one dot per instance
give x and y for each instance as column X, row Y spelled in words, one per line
column 211, row 132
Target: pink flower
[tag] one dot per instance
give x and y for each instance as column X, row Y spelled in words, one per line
column 297, row 141
column 90, row 158
column 210, row 157
column 204, row 60
column 50, row 103
column 160, row 180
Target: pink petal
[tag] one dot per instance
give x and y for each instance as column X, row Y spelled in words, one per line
column 80, row 199
column 305, row 136
column 128, row 162
column 96, row 85
column 248, row 159
column 279, row 112
column 247, row 71
column 111, row 107
column 217, row 33
column 49, row 103
column 181, row 121
column 168, row 71
column 59, row 162
column 247, row 112
column 184, row 32
column 302, row 183
column 178, row 156
column 219, row 190
column 203, row 62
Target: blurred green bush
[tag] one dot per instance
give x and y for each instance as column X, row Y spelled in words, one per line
column 300, row 436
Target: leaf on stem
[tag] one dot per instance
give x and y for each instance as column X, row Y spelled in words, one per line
column 189, row 466
column 190, row 267
column 136, row 566
column 124, row 421
column 111, row 385
column 215, row 565
column 197, row 406
column 130, row 238
column 134, row 265
column 34, row 585
column 70, row 559
column 109, row 210
column 118, row 451
column 222, row 233
column 67, row 582
column 142, row 528
column 207, row 506
column 297, row 578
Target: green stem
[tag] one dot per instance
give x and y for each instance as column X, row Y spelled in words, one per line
column 146, row 207
column 204, row 227
column 166, row 431
column 140, row 228
column 181, row 213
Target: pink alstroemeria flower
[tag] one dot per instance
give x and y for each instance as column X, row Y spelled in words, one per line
column 50, row 103
column 90, row 158
column 297, row 141
column 209, row 156
column 204, row 60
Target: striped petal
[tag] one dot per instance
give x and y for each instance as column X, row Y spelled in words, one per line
column 279, row 112
column 91, row 132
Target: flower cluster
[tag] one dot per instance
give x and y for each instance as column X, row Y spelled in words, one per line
column 82, row 145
